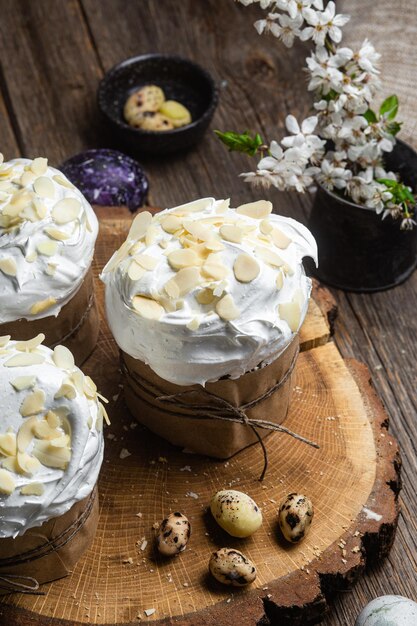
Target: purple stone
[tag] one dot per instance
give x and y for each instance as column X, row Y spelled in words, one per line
column 108, row 178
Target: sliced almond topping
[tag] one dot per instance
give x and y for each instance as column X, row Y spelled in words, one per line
column 90, row 388
column 214, row 245
column 39, row 166
column 63, row 358
column 258, row 210
column 40, row 208
column 23, row 382
column 26, row 358
column 19, row 201
column 135, row 271
column 8, row 446
column 34, row 402
column 288, row 269
column 51, row 457
column 32, row 489
column 185, row 280
column 66, row 210
column 26, row 433
column 42, row 305
column 140, row 225
column 27, row 178
column 54, row 421
column 205, row 296
column 194, row 324
column 61, row 180
column 213, row 268
column 280, row 239
column 185, row 257
column 171, row 223
column 199, row 231
column 103, row 413
column 10, row 463
column 51, row 269
column 31, row 257
column 226, row 308
column 223, row 206
column 151, row 235
column 30, row 344
column 147, row 261
column 290, row 312
column 8, row 266
column 44, row 187
column 172, row 289
column 118, row 257
column 269, row 256
column 4, row 340
column 47, row 247
column 232, row 233
column 134, row 249
column 66, row 390
column 196, row 206
column 60, row 442
column 246, row 268
column 280, row 279
column 163, row 243
column 59, row 235
column 265, row 227
column 7, row 482
column 148, row 308
column 42, row 430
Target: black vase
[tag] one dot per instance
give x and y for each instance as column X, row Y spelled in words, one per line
column 358, row 250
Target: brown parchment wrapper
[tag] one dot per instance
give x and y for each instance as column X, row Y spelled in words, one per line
column 50, row 551
column 212, row 437
column 76, row 326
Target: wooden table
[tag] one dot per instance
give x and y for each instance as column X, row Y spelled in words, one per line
column 52, row 55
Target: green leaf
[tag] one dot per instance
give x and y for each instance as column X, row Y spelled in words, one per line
column 394, row 127
column 389, row 107
column 240, row 142
column 370, row 116
column 388, row 182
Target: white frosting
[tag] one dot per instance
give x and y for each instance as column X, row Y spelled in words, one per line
column 190, row 343
column 36, row 282
column 80, row 418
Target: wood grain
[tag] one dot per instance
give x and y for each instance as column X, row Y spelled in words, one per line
column 261, row 83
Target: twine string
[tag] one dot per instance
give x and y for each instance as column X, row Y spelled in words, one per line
column 29, row 586
column 80, row 322
column 218, row 408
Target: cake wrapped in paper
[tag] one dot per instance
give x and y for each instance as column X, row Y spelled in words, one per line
column 205, row 303
column 51, row 450
column 47, row 236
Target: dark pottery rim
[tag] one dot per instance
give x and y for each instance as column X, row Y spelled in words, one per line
column 206, row 116
column 364, row 240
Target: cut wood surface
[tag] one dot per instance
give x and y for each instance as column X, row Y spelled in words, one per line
column 52, row 57
column 352, row 480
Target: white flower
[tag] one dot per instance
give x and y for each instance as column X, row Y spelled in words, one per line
column 264, row 4
column 323, row 23
column 296, row 7
column 307, row 127
column 333, row 177
column 352, row 129
column 408, row 224
column 264, row 26
column 287, row 29
column 367, row 58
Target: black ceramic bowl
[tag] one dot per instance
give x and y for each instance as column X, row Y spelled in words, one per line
column 180, row 79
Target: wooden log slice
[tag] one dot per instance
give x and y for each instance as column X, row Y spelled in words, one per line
column 353, row 481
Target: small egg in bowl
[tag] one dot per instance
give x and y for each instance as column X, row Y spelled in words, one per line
column 157, row 103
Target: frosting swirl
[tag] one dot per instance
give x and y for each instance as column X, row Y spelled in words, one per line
column 203, row 291
column 47, row 236
column 51, row 442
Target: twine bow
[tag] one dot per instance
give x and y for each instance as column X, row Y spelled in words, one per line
column 29, row 585
column 218, row 408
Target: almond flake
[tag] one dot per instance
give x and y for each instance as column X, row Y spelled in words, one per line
column 136, row 247
column 195, row 206
column 171, row 223
column 140, row 225
column 151, row 235
column 34, row 402
column 213, row 268
column 7, row 483
column 163, row 243
column 226, row 308
column 223, row 206
column 39, row 166
column 33, row 489
column 30, row 344
column 146, row 261
column 51, row 269
column 27, row 178
column 290, row 312
column 199, row 231
column 269, row 256
column 25, row 434
column 63, row 358
column 280, row 239
column 265, row 227
column 135, row 271
column 257, row 210
column 8, row 446
column 53, row 420
column 27, row 463
column 60, row 442
column 183, row 282
column 42, row 430
column 10, row 463
column 205, row 296
column 178, row 259
column 42, row 305
column 280, row 279
column 103, row 413
column 66, row 390
column 63, row 181
column 31, row 257
column 8, row 266
column 44, row 187
column 194, row 324
column 40, row 208
column 66, row 210
column 214, row 245
column 148, row 308
column 4, row 340
column 172, row 288
column 246, row 268
column 59, row 235
column 47, row 247
column 24, row 359
column 51, row 457
column 90, row 388
column 23, row 382
column 118, row 257
column 232, row 233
